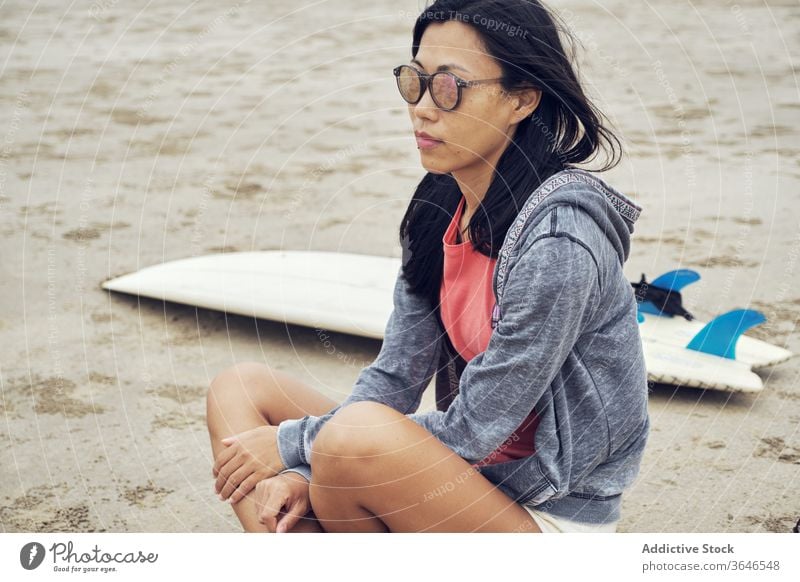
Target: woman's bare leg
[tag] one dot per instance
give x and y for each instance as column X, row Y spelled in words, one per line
column 251, row 394
column 377, row 470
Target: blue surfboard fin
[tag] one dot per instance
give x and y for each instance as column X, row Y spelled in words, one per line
column 662, row 296
column 676, row 280
column 719, row 336
column 648, row 307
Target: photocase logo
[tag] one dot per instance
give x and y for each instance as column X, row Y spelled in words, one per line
column 31, row 555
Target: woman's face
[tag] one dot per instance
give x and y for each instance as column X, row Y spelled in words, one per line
column 476, row 132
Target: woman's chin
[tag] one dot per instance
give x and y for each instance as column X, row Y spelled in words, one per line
column 434, row 166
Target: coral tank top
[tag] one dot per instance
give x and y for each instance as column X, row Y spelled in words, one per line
column 466, row 302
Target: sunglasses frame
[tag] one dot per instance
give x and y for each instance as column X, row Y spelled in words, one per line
column 425, row 81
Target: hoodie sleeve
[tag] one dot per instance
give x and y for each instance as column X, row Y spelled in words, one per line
column 547, row 302
column 398, row 376
column 304, row 470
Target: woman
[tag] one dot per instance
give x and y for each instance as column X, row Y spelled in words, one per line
column 511, row 293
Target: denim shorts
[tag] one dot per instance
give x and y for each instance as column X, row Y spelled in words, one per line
column 550, row 523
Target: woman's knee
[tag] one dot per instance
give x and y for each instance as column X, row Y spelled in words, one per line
column 242, row 382
column 357, row 431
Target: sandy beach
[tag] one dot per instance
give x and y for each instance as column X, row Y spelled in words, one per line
column 133, row 136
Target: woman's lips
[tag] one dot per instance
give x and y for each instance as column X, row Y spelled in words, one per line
column 426, row 143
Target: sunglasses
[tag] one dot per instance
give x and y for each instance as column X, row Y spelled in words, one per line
column 445, row 86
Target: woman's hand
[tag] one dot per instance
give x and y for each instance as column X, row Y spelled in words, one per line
column 288, row 490
column 248, row 458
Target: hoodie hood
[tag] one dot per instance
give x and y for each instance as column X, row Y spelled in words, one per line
column 613, row 212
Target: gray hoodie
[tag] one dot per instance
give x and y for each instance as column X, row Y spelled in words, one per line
column 565, row 342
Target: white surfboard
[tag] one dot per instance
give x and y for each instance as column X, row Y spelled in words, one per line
column 352, row 293
column 344, row 292
column 681, row 367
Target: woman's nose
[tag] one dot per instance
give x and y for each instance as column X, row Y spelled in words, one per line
column 425, row 108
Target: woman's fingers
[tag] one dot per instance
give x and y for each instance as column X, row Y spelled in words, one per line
column 245, row 487
column 297, row 510
column 226, row 472
column 223, row 459
column 224, row 456
column 233, row 481
column 274, row 498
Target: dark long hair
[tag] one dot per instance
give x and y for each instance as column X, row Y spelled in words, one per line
column 565, row 129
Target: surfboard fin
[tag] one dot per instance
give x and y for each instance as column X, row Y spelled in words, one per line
column 662, row 296
column 676, row 280
column 719, row 336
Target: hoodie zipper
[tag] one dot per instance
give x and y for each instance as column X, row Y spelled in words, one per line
column 507, row 245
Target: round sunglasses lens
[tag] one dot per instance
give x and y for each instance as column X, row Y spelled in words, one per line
column 444, row 90
column 409, row 84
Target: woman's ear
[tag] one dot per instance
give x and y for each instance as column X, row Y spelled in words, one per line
column 526, row 102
